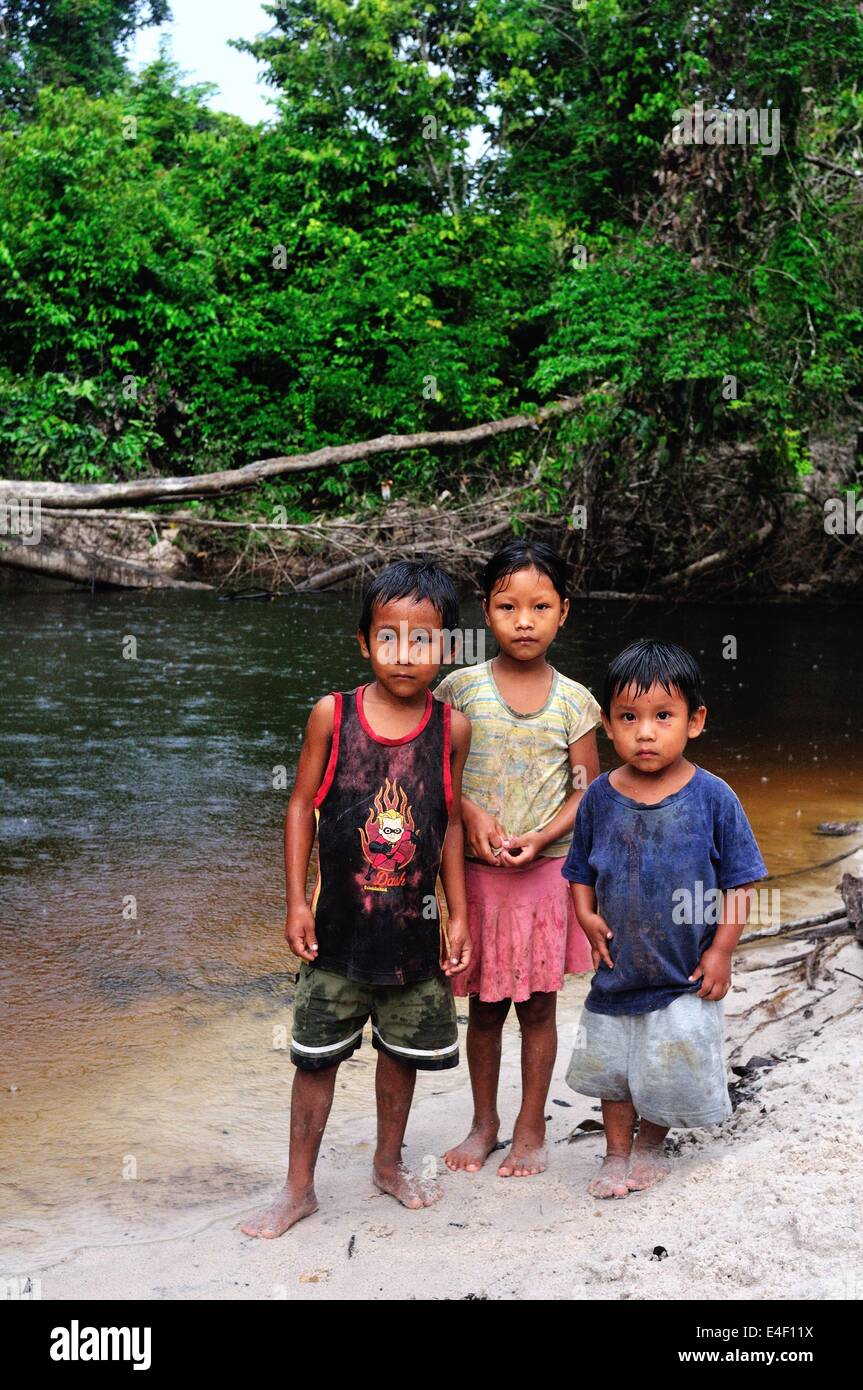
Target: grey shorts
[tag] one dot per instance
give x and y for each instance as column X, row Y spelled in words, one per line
column 670, row 1062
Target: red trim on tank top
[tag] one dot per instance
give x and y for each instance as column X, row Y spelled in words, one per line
column 379, row 738
column 447, row 771
column 334, row 750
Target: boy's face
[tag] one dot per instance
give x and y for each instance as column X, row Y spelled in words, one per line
column 651, row 730
column 525, row 613
column 405, row 645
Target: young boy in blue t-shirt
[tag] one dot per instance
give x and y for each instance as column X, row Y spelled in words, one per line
column 660, row 867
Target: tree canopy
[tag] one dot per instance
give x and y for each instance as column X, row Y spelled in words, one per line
column 67, row 43
column 458, row 210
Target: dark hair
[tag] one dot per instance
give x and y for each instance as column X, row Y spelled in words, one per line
column 416, row 579
column 518, row 555
column 647, row 662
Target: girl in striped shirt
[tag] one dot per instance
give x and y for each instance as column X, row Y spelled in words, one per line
column 533, row 752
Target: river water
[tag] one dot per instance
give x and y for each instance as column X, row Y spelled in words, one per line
column 145, row 980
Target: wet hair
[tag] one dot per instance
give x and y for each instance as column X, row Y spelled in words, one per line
column 647, row 662
column 521, row 554
column 415, row 579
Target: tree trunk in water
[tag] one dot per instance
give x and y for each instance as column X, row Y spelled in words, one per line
column 88, row 567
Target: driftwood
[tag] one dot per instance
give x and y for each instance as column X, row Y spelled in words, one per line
column 815, row 933
column 91, row 495
column 783, row 928
column 346, row 570
column 780, row 1018
column 157, row 519
column 851, row 889
column 85, row 567
column 350, row 567
column 819, row 930
column 819, row 936
column 710, row 562
column 355, row 544
column 812, row 963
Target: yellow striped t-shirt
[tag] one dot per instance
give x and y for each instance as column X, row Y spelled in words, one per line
column 518, row 764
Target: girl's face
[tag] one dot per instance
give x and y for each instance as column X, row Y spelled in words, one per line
column 525, row 613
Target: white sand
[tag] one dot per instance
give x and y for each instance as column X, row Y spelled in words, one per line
column 766, row 1206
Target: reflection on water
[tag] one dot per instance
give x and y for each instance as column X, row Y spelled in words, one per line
column 144, row 967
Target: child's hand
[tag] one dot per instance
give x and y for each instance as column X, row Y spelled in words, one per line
column 459, row 955
column 714, row 971
column 520, row 849
column 483, row 834
column 598, row 933
column 300, row 932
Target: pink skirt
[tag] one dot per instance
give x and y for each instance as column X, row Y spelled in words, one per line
column 524, row 931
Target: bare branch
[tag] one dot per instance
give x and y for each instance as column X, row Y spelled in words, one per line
column 89, row 495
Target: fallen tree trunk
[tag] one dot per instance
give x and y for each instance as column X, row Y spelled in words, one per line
column 88, row 495
column 88, row 567
column 710, row 562
column 820, row 919
column 156, row 519
column 353, row 545
column 345, row 570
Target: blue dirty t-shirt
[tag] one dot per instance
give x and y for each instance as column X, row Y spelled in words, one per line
column 652, row 868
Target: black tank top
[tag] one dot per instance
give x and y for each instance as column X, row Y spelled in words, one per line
column 382, row 812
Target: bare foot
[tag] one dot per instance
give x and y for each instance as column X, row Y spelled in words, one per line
column 527, row 1155
column 647, row 1166
column 406, row 1187
column 610, row 1181
column 285, row 1212
column 473, row 1151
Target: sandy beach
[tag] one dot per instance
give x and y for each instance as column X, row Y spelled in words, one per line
column 765, row 1207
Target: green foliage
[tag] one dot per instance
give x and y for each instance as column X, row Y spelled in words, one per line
column 183, row 292
column 67, row 43
column 66, row 428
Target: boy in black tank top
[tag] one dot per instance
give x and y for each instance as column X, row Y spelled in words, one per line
column 379, row 778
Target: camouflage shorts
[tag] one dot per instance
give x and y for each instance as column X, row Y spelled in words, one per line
column 415, row 1024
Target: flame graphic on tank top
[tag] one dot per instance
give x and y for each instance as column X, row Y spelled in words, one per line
column 388, row 838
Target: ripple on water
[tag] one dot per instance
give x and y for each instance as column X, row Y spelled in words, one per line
column 151, row 1052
